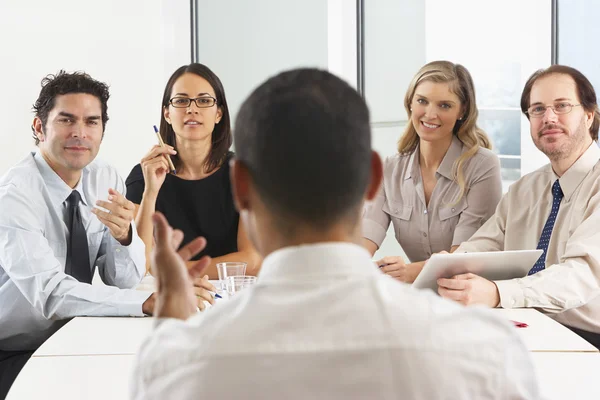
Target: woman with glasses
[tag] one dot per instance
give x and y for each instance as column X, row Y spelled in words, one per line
column 444, row 182
column 196, row 197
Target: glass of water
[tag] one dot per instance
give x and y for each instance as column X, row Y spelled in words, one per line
column 227, row 269
column 235, row 284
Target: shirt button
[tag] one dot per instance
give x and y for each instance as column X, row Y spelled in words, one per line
column 118, row 250
column 424, row 234
column 454, row 209
column 395, row 210
column 424, row 211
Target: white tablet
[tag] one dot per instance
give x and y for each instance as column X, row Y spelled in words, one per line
column 492, row 265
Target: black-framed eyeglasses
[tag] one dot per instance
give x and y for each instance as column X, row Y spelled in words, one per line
column 559, row 108
column 185, row 102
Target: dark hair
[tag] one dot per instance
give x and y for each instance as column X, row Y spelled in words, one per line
column 585, row 92
column 304, row 136
column 221, row 136
column 64, row 83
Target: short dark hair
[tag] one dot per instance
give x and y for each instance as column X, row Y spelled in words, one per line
column 221, row 136
column 585, row 92
column 68, row 83
column 305, row 138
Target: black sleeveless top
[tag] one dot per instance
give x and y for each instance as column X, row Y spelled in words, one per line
column 197, row 207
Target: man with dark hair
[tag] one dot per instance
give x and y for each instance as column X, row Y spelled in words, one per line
column 555, row 209
column 322, row 321
column 52, row 237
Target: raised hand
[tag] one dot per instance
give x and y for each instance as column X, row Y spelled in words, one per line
column 118, row 217
column 155, row 167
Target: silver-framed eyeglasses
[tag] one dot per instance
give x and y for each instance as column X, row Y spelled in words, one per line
column 185, row 102
column 559, row 108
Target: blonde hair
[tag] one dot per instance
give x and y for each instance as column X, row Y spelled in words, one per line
column 460, row 83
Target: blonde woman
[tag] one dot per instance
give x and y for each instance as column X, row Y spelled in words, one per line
column 444, row 182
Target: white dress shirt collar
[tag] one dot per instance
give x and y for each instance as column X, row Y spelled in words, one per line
column 307, row 261
column 58, row 190
column 573, row 177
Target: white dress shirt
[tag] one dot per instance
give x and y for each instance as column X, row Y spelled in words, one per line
column 35, row 292
column 568, row 289
column 322, row 323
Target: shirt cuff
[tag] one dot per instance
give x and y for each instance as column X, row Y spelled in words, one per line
column 135, row 251
column 373, row 231
column 134, row 307
column 511, row 294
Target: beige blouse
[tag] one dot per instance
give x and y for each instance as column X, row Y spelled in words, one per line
column 423, row 230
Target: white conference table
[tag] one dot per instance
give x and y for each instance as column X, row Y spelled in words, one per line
column 561, row 376
column 543, row 334
column 92, row 358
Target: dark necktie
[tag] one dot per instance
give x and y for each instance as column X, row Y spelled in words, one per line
column 78, row 254
column 557, row 195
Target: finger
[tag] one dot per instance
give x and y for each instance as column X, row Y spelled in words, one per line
column 449, row 294
column 121, row 200
column 204, row 294
column 111, row 222
column 207, row 284
column 454, row 284
column 395, row 274
column 199, row 266
column 158, row 151
column 390, row 268
column 162, row 230
column 192, row 248
column 176, row 238
column 201, row 305
column 116, row 219
column 155, row 164
column 114, row 209
column 387, row 260
column 466, row 276
column 204, row 283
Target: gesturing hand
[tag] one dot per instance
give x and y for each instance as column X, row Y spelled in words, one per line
column 119, row 216
column 155, row 167
column 176, row 297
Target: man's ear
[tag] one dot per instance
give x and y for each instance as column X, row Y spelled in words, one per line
column 241, row 184
column 376, row 176
column 38, row 127
column 589, row 119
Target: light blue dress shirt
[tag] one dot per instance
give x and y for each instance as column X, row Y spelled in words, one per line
column 36, row 296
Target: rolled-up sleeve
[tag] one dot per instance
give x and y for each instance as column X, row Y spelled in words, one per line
column 375, row 221
column 482, row 198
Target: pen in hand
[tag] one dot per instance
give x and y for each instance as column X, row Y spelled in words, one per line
column 162, row 144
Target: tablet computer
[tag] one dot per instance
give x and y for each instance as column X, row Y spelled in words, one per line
column 492, row 265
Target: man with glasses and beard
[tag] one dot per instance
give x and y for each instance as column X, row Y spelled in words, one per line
column 555, row 209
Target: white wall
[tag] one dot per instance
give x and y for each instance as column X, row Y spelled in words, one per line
column 258, row 39
column 133, row 45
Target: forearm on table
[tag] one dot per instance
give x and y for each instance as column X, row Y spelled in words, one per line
column 251, row 258
column 143, row 223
